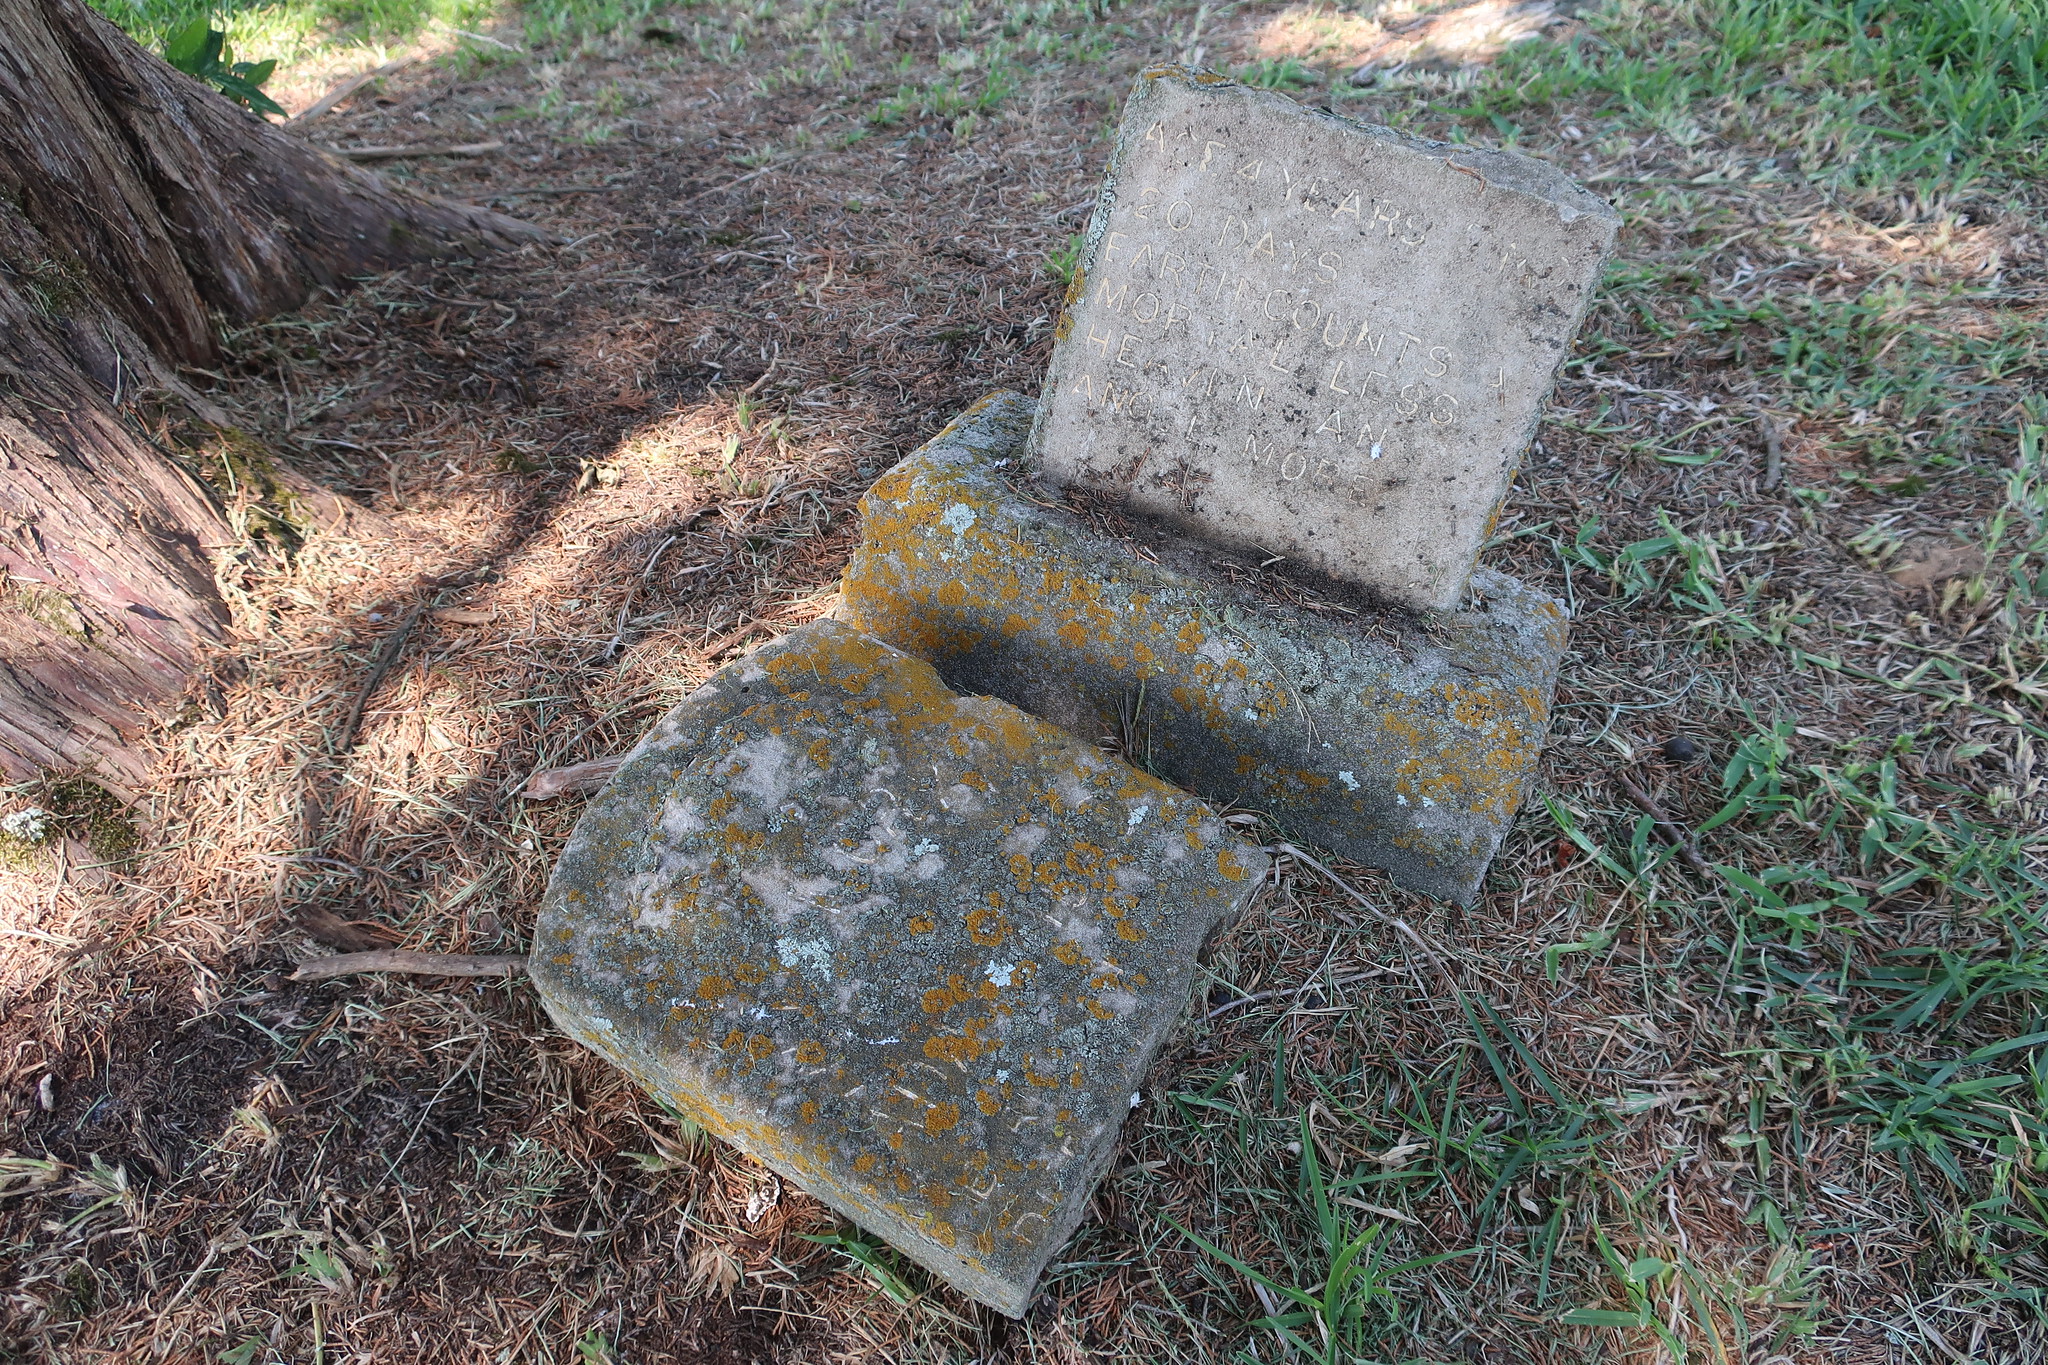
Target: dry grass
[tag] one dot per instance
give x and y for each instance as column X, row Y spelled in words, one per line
column 583, row 477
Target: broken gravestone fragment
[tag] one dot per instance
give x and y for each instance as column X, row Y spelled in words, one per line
column 1326, row 340
column 913, row 950
column 1404, row 746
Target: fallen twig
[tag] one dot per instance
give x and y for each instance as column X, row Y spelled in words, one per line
column 728, row 640
column 633, row 595
column 388, row 655
column 1394, row 922
column 762, row 378
column 552, row 189
column 733, row 184
column 1256, row 996
column 416, row 150
column 1667, row 829
column 1774, row 451
column 447, row 27
column 345, row 89
column 419, row 964
column 578, row 777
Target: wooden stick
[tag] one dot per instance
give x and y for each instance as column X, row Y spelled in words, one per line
column 578, row 777
column 553, row 189
column 419, row 964
column 1774, row 451
column 1399, row 925
column 732, row 184
column 414, row 150
column 762, row 378
column 633, row 594
column 1257, row 996
column 1667, row 829
column 345, row 89
column 727, row 641
column 394, row 643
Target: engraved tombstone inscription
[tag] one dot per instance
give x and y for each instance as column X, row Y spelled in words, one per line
column 1295, row 332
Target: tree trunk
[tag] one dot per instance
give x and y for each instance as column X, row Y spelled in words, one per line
column 137, row 208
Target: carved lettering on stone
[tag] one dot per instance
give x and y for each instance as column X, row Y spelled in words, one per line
column 1292, row 331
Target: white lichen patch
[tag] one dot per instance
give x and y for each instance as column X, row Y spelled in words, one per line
column 1025, row 838
column 766, row 776
column 811, row 956
column 787, row 894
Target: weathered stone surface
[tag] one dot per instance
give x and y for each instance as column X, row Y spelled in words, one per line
column 913, row 950
column 1403, row 744
column 1307, row 335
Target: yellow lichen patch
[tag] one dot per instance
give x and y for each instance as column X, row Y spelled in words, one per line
column 964, row 1046
column 738, row 837
column 808, row 1111
column 810, row 1052
column 940, row 1118
column 820, row 752
column 896, row 1141
column 760, row 1045
column 1033, row 1077
column 1069, row 952
column 921, row 924
column 987, row 1103
column 864, row 1163
column 956, row 991
column 1129, row 932
column 988, row 927
column 1084, row 858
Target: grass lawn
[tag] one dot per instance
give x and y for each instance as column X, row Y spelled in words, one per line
column 1743, row 1056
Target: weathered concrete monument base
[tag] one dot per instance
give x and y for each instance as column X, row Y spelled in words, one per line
column 916, row 951
column 1402, row 743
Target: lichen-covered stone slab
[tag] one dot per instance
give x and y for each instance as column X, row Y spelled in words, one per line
column 914, row 950
column 1405, row 743
column 1292, row 331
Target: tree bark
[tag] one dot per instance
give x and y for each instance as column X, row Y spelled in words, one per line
column 138, row 211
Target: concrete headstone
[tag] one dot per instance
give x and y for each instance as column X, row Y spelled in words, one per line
column 914, row 950
column 1330, row 341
